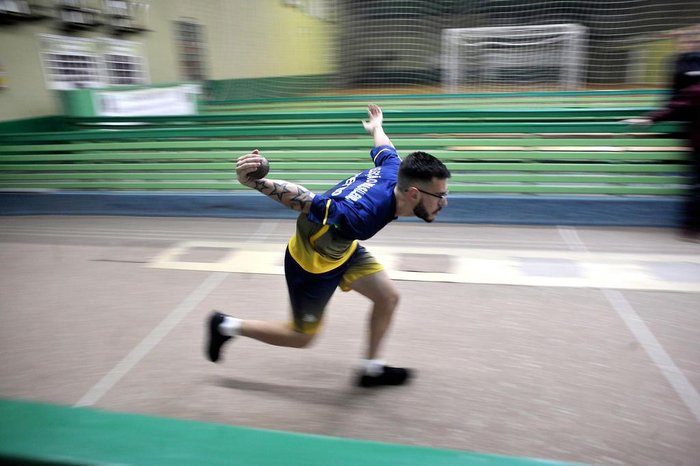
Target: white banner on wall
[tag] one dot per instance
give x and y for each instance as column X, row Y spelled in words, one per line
column 175, row 100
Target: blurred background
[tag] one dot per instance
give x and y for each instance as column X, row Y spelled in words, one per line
column 551, row 312
column 239, row 49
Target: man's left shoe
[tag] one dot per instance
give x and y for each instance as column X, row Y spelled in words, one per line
column 216, row 339
column 389, row 376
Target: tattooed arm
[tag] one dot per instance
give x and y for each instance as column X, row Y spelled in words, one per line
column 289, row 194
column 292, row 195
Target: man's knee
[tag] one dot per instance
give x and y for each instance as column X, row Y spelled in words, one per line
column 306, row 340
column 388, row 300
column 302, row 339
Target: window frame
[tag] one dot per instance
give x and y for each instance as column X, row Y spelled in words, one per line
column 90, row 62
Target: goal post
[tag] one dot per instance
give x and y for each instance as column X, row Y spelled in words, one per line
column 545, row 56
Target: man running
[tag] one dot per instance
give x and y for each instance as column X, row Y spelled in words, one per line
column 324, row 253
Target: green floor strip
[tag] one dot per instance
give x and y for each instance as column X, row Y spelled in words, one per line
column 32, row 433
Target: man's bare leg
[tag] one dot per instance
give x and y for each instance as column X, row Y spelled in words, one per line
column 379, row 288
column 381, row 291
column 276, row 333
column 222, row 328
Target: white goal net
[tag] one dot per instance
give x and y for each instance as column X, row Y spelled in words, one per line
column 550, row 55
column 289, row 48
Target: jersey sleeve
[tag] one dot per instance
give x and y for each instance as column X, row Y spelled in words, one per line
column 349, row 219
column 328, row 211
column 384, row 154
column 322, row 209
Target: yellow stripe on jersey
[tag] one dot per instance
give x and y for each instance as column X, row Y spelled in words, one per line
column 318, row 234
column 328, row 209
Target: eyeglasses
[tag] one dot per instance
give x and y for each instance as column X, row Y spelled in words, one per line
column 439, row 196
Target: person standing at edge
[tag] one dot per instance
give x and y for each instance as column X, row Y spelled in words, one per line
column 324, row 252
column 684, row 105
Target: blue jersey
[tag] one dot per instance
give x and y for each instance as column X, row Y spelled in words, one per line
column 363, row 204
column 324, row 252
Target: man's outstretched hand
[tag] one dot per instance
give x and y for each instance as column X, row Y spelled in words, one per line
column 376, row 118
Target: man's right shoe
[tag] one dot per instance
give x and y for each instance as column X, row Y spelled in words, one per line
column 216, row 339
column 389, row 376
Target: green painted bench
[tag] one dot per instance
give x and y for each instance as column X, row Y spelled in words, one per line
column 531, row 163
column 413, row 100
column 577, row 148
column 341, row 121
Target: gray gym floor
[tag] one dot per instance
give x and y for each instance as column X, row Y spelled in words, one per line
column 572, row 344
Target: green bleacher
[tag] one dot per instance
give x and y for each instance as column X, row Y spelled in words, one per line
column 568, row 144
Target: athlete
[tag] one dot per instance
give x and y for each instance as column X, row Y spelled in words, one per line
column 324, row 253
column 683, row 104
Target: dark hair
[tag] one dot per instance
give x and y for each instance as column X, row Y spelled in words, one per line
column 421, row 166
column 685, row 71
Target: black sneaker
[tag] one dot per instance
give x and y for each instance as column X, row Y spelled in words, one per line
column 390, row 376
column 216, row 339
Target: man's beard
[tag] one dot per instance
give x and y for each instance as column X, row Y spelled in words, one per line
column 421, row 212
